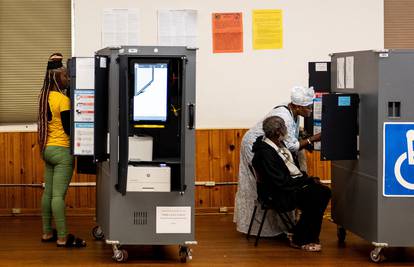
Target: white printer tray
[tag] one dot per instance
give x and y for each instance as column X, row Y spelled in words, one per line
column 148, row 179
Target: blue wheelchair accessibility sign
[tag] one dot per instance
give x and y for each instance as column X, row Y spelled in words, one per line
column 398, row 159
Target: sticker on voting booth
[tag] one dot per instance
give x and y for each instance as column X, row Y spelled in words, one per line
column 398, row 160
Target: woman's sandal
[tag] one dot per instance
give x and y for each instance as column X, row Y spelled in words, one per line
column 310, row 247
column 53, row 238
column 289, row 236
column 73, row 242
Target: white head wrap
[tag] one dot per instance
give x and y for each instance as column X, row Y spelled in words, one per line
column 302, row 96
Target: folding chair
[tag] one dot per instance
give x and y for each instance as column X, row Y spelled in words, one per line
column 265, row 205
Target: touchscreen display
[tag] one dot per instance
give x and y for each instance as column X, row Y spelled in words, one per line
column 150, row 92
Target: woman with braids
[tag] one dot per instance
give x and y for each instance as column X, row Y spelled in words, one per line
column 54, row 129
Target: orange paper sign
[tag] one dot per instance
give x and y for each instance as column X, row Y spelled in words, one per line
column 227, row 32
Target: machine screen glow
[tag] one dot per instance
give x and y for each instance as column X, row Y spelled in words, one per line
column 150, row 92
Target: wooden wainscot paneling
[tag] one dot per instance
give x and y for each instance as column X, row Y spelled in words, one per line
column 316, row 167
column 21, row 178
column 217, row 162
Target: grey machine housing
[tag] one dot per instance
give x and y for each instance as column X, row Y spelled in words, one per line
column 130, row 218
column 383, row 81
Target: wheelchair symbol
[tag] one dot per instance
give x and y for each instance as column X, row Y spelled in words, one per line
column 410, row 155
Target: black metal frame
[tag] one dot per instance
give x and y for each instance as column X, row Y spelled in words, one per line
column 265, row 206
column 287, row 221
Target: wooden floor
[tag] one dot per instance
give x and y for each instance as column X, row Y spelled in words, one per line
column 219, row 245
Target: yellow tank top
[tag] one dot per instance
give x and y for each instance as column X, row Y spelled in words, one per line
column 56, row 136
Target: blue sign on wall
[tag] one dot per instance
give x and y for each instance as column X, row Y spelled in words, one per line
column 398, row 159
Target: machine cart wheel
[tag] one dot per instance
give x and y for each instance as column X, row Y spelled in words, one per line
column 185, row 253
column 120, row 255
column 97, row 233
column 341, row 234
column 376, row 254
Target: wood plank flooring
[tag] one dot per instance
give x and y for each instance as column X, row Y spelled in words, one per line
column 219, row 245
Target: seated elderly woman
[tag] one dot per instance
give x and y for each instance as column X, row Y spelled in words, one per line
column 286, row 186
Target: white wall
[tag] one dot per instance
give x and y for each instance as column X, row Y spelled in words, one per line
column 236, row 90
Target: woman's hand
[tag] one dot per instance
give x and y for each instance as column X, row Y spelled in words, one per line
column 315, row 138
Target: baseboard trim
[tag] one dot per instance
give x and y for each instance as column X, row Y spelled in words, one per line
column 37, row 212
column 91, row 211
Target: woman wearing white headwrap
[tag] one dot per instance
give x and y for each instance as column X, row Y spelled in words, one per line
column 300, row 105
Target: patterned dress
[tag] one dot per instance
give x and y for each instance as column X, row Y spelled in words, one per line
column 246, row 192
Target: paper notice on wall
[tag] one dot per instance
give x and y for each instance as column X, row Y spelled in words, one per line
column 84, row 105
column 321, row 66
column 340, row 72
column 267, row 29
column 349, row 72
column 83, row 139
column 120, row 26
column 85, row 73
column 177, row 28
column 173, row 220
column 102, row 62
column 227, row 32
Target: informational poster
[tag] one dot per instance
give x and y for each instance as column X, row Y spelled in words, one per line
column 83, row 139
column 317, row 107
column 321, row 66
column 267, row 29
column 84, row 105
column 227, row 32
column 85, row 73
column 173, row 220
column 317, row 129
column 349, row 72
column 177, row 27
column 340, row 73
column 120, row 26
column 317, row 117
column 83, row 99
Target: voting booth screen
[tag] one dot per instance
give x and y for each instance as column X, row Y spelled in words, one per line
column 150, row 92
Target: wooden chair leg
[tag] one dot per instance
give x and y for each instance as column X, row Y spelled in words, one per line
column 251, row 222
column 261, row 226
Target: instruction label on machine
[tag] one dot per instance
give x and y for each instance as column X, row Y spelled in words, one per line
column 84, row 105
column 398, row 159
column 83, row 139
column 173, row 220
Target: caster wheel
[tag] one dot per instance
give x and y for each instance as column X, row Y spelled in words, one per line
column 185, row 254
column 120, row 255
column 341, row 234
column 376, row 256
column 97, row 233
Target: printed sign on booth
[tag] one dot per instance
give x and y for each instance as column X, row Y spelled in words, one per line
column 398, row 159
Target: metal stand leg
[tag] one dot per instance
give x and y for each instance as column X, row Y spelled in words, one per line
column 251, row 222
column 261, row 226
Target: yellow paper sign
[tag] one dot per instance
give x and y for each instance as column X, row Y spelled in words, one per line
column 267, row 29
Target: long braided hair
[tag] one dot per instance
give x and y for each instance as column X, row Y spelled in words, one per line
column 52, row 81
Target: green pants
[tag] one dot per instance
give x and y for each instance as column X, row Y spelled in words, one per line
column 58, row 173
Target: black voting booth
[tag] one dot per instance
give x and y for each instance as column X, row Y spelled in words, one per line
column 85, row 163
column 339, row 126
column 319, row 77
